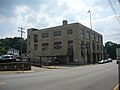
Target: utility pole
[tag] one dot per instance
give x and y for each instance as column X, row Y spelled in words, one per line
column 21, row 31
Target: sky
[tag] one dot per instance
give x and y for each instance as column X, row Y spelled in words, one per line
column 42, row 14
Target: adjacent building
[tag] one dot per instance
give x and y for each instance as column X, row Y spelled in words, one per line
column 13, row 51
column 68, row 44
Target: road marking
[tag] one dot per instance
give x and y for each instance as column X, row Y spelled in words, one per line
column 116, row 87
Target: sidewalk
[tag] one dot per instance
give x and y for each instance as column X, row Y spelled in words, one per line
column 40, row 69
column 16, row 72
column 33, row 70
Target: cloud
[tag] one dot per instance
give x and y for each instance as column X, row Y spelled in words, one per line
column 48, row 13
column 108, row 27
column 2, row 19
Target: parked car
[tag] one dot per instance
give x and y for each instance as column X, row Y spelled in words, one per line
column 109, row 60
column 105, row 61
column 101, row 62
column 8, row 58
column 1, row 58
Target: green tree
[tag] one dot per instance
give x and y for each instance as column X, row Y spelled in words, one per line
column 111, row 49
column 14, row 43
column 2, row 50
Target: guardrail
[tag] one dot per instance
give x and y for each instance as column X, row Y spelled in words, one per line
column 15, row 66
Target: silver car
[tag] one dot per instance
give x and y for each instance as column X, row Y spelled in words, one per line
column 8, row 58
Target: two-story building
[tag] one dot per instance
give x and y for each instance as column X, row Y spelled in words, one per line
column 13, row 51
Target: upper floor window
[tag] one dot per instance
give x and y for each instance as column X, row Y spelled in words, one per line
column 97, row 47
column 101, row 40
column 35, row 38
column 97, row 38
column 93, row 45
column 58, row 45
column 93, row 36
column 45, row 35
column 70, row 44
column 35, row 46
column 87, row 35
column 45, row 46
column 57, row 33
column 82, row 33
column 70, row 32
column 88, row 44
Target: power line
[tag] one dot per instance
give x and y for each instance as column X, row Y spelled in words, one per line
column 114, row 11
column 119, row 2
column 112, row 35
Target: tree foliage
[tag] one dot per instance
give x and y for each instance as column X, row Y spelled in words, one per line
column 12, row 43
column 2, row 50
column 111, row 49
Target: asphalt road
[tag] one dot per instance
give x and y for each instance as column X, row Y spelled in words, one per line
column 90, row 77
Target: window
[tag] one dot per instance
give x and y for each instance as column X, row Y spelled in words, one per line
column 82, row 33
column 87, row 35
column 35, row 46
column 57, row 33
column 93, row 45
column 101, row 47
column 88, row 45
column 45, row 46
column 58, row 45
column 101, row 40
column 70, row 32
column 83, row 46
column 93, row 36
column 45, row 35
column 97, row 47
column 97, row 38
column 70, row 44
column 35, row 38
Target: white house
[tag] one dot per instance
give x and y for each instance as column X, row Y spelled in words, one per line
column 13, row 51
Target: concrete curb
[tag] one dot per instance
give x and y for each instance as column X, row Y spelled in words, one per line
column 53, row 67
column 16, row 72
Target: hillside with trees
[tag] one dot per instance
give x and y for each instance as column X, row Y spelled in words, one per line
column 15, row 42
column 110, row 48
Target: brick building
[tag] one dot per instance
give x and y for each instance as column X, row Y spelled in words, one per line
column 68, row 44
